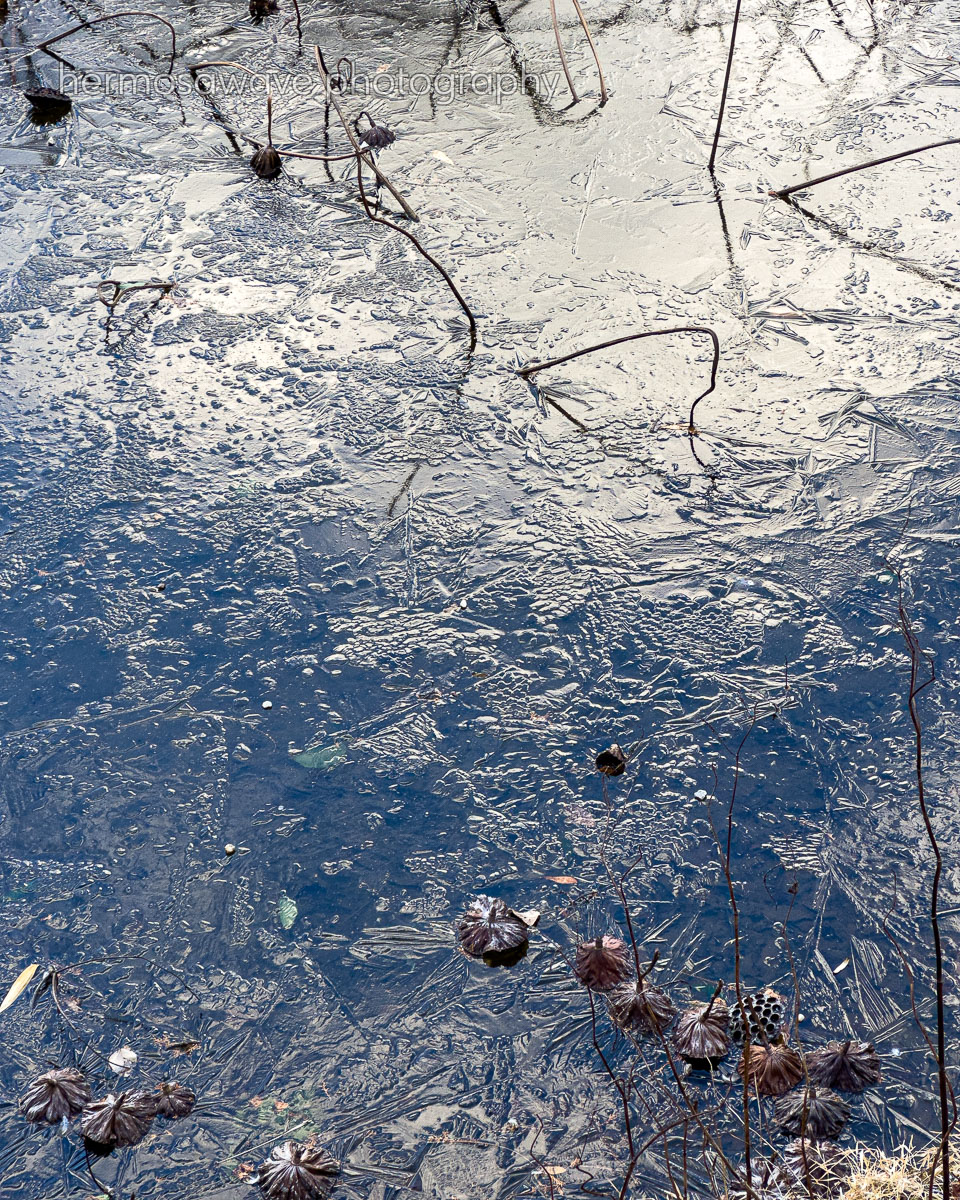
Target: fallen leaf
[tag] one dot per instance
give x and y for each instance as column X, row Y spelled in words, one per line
column 842, row 967
column 123, row 1060
column 19, row 984
column 529, row 916
column 561, row 878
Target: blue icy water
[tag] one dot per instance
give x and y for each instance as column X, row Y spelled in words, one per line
column 286, row 565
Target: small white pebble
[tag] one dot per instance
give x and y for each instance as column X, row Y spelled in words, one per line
column 267, row 704
column 229, row 849
column 463, row 604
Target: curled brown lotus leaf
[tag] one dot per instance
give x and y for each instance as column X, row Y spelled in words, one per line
column 55, row 1095
column 772, row 1070
column 118, row 1120
column 602, row 963
column 640, row 1007
column 847, row 1066
column 378, row 137
column 174, row 1100
column 812, row 1112
column 489, row 927
column 297, row 1172
column 703, row 1032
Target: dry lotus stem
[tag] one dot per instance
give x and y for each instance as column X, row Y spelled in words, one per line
column 174, row 1100
column 638, row 1006
column 55, row 1095
column 489, row 927
column 296, row 1172
column 118, row 1120
column 812, row 1113
column 847, row 1066
column 772, row 1070
column 602, row 963
column 703, row 1032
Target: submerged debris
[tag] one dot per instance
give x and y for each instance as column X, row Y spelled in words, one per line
column 602, row 963
column 703, row 1032
column 296, row 1172
column 764, row 1010
column 55, row 1095
column 117, row 1120
column 489, row 928
column 611, row 762
column 816, row 1113
column 174, row 1100
column 848, row 1066
column 635, row 1005
column 267, row 163
column 817, row 1167
column 263, row 8
column 772, row 1070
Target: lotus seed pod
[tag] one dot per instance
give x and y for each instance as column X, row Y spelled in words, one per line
column 267, row 163
column 611, row 762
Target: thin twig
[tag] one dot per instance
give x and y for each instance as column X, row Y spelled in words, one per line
column 563, row 57
column 136, row 12
column 362, row 155
column 782, row 193
column 426, row 254
column 604, row 97
column 533, row 368
column 918, row 659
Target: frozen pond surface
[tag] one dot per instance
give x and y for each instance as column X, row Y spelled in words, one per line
column 291, row 481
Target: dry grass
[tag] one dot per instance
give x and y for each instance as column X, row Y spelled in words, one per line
column 872, row 1175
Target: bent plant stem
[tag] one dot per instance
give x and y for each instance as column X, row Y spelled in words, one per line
column 726, row 85
column 621, row 1092
column 381, row 178
column 917, row 660
column 793, row 891
column 911, row 984
column 783, row 193
column 533, row 368
column 563, row 57
column 725, row 858
column 361, row 159
column 134, row 12
column 604, row 96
